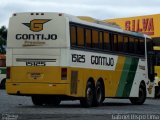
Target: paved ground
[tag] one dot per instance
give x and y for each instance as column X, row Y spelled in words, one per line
column 21, row 108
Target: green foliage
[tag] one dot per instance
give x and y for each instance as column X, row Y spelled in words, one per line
column 3, row 39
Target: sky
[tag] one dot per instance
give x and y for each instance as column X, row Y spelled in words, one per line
column 99, row 9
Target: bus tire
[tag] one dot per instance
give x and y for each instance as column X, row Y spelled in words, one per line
column 55, row 101
column 87, row 101
column 99, row 94
column 3, row 84
column 142, row 96
column 37, row 100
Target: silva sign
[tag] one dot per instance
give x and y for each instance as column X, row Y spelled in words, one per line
column 145, row 25
column 36, row 26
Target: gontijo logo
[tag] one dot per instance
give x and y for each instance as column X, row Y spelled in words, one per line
column 36, row 25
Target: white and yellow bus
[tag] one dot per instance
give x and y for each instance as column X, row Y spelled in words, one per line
column 54, row 56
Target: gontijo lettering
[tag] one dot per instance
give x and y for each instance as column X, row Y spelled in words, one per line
column 36, row 36
column 99, row 60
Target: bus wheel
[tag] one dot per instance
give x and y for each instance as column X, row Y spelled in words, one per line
column 89, row 93
column 99, row 94
column 37, row 100
column 142, row 96
column 56, row 101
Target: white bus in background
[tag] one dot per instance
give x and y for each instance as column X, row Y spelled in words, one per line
column 54, row 56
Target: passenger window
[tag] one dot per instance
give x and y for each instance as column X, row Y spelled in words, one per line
column 73, row 35
column 131, row 45
column 115, row 43
column 142, row 46
column 120, row 43
column 106, row 43
column 88, row 38
column 125, row 46
column 80, row 37
column 95, row 39
column 136, row 45
column 101, row 40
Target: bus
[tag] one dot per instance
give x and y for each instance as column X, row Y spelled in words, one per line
column 56, row 56
column 148, row 24
column 2, row 71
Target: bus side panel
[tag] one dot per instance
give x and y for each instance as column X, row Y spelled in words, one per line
column 76, row 79
column 141, row 75
column 127, row 77
column 110, row 78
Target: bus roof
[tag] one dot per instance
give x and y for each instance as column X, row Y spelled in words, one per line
column 104, row 26
column 78, row 20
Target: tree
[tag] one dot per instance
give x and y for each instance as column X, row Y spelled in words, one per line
column 3, row 39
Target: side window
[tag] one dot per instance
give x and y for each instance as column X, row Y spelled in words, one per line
column 149, row 45
column 115, row 43
column 142, row 46
column 95, row 39
column 125, row 45
column 136, row 45
column 88, row 38
column 120, row 43
column 80, row 37
column 73, row 35
column 131, row 45
column 101, row 40
column 106, row 42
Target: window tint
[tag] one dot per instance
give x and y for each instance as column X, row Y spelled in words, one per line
column 88, row 38
column 136, row 45
column 80, row 37
column 131, row 45
column 141, row 46
column 149, row 45
column 120, row 43
column 94, row 38
column 106, row 44
column 125, row 44
column 115, row 43
column 73, row 35
column 101, row 40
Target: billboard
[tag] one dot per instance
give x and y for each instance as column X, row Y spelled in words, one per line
column 149, row 24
